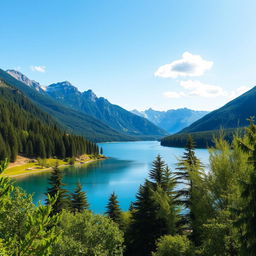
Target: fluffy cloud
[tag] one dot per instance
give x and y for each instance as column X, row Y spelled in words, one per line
column 173, row 95
column 201, row 89
column 38, row 68
column 197, row 88
column 188, row 65
column 239, row 91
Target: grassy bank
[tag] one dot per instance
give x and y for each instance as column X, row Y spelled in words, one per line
column 29, row 166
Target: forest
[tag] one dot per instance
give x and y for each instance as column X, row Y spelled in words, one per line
column 191, row 210
column 28, row 131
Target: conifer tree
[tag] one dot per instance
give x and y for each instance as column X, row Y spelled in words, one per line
column 56, row 189
column 156, row 173
column 78, row 199
column 113, row 209
column 188, row 169
column 247, row 215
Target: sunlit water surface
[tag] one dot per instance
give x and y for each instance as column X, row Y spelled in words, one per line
column 123, row 172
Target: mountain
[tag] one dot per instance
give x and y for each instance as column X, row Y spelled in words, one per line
column 101, row 109
column 71, row 120
column 31, row 83
column 85, row 113
column 230, row 117
column 26, row 129
column 172, row 120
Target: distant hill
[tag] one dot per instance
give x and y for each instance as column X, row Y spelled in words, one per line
column 71, row 120
column 229, row 117
column 172, row 120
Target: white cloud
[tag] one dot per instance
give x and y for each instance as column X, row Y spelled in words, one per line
column 38, row 68
column 198, row 88
column 188, row 65
column 239, row 91
column 173, row 95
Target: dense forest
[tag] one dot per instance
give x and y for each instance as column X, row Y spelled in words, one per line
column 203, row 139
column 192, row 210
column 26, row 130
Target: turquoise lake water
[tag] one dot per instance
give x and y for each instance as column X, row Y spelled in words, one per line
column 122, row 173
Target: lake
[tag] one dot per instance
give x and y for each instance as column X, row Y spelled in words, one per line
column 122, row 173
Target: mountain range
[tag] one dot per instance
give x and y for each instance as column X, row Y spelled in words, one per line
column 231, row 116
column 83, row 112
column 172, row 120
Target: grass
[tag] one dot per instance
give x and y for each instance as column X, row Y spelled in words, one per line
column 33, row 168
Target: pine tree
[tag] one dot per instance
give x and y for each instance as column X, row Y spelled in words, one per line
column 56, row 189
column 113, row 209
column 146, row 227
column 247, row 215
column 156, row 173
column 78, row 199
column 188, row 168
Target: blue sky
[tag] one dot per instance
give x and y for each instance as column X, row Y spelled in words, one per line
column 136, row 53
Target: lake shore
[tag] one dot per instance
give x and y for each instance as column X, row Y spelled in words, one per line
column 22, row 169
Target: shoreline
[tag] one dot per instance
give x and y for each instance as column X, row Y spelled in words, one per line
column 48, row 169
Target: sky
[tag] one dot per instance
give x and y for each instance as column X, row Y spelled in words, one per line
column 163, row 54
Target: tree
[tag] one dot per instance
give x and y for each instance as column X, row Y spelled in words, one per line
column 88, row 234
column 3, row 165
column 188, row 172
column 156, row 173
column 113, row 209
column 173, row 246
column 247, row 213
column 56, row 190
column 154, row 212
column 25, row 229
column 79, row 200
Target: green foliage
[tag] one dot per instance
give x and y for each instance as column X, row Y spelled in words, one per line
column 156, row 173
column 174, row 246
column 69, row 119
column 26, row 130
column 113, row 209
column 188, row 173
column 247, row 212
column 57, row 191
column 89, row 235
column 72, row 161
column 79, row 200
column 154, row 212
column 203, row 139
column 3, row 165
column 24, row 229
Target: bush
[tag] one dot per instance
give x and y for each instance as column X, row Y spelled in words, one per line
column 88, row 234
column 173, row 246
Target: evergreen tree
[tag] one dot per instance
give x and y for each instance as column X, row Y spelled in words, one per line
column 187, row 171
column 56, row 190
column 79, row 200
column 113, row 209
column 247, row 215
column 156, row 173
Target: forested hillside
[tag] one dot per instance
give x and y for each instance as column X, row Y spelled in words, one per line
column 231, row 116
column 72, row 120
column 26, row 130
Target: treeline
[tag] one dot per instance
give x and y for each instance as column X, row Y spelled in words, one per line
column 26, row 130
column 190, row 211
column 202, row 139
